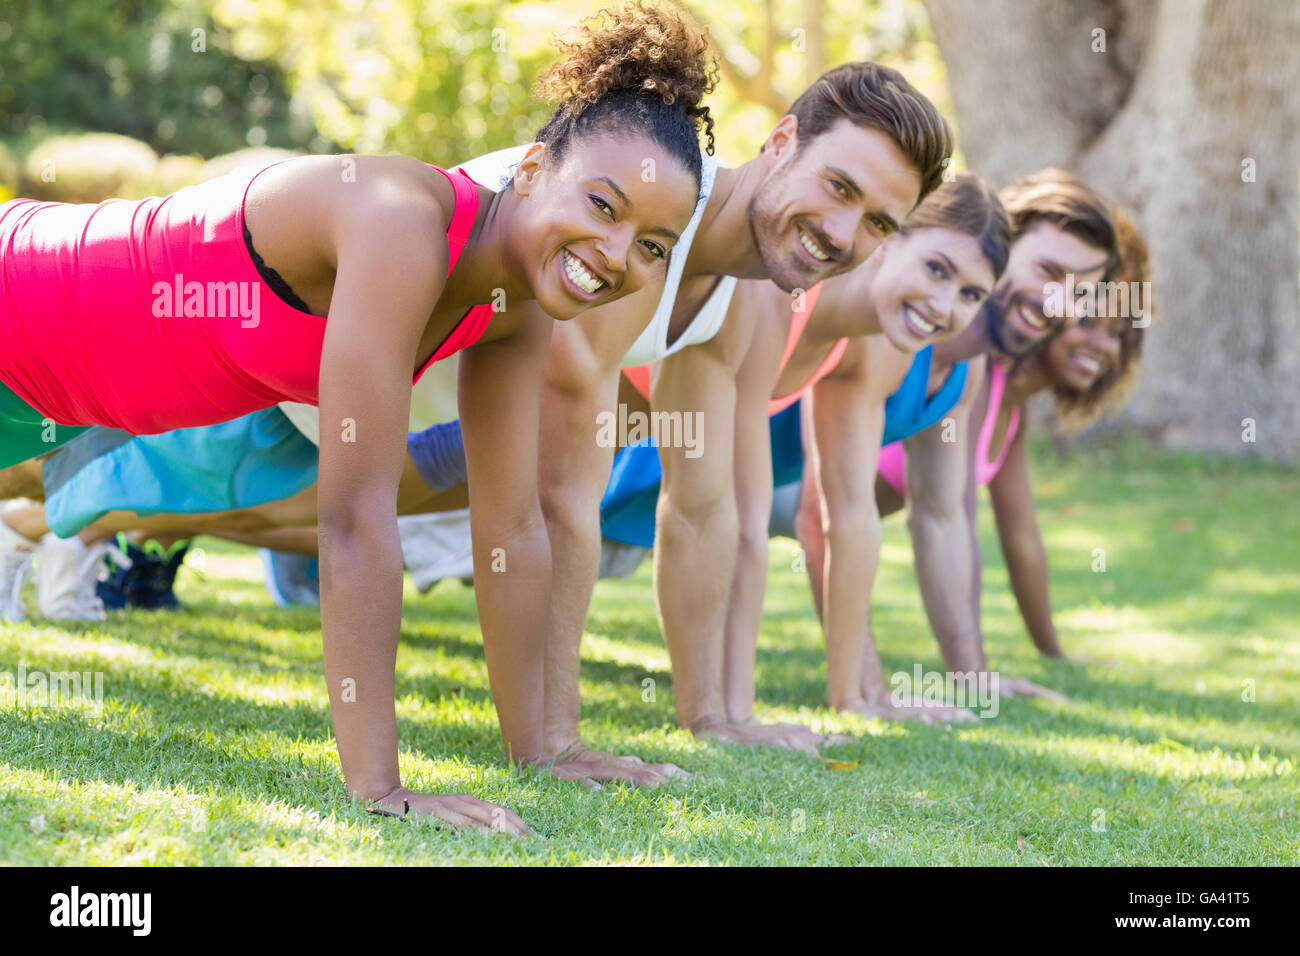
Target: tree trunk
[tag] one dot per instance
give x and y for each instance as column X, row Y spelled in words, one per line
column 1188, row 120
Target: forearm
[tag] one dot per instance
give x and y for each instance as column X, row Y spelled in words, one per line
column 744, row 619
column 945, row 574
column 575, row 560
column 812, row 539
column 693, row 561
column 361, row 616
column 853, row 551
column 1027, row 566
column 512, row 579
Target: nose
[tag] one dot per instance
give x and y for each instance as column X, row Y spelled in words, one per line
column 615, row 248
column 840, row 230
column 941, row 301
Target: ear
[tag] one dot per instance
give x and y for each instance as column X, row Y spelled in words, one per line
column 529, row 168
column 783, row 141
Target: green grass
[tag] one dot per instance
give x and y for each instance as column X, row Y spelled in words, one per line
column 214, row 746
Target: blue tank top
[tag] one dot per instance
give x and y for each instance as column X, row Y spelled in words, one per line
column 627, row 512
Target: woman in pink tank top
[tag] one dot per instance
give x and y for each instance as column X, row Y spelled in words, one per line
column 337, row 280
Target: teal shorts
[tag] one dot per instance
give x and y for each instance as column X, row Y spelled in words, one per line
column 25, row 433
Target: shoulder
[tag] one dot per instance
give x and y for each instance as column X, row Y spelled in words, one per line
column 392, row 196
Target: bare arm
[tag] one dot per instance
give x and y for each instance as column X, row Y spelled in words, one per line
column 847, row 414
column 752, row 457
column 698, row 524
column 942, row 531
column 498, row 395
column 369, row 353
column 1022, row 544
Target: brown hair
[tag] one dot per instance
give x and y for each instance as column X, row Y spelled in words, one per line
column 967, row 204
column 875, row 97
column 1074, row 410
column 640, row 69
column 1061, row 198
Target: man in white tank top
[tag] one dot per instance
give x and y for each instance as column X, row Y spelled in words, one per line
column 836, row 174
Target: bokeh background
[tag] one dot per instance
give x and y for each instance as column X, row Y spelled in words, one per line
column 1183, row 111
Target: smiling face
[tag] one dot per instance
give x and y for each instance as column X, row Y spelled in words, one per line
column 1043, row 254
column 1083, row 354
column 824, row 208
column 595, row 229
column 929, row 286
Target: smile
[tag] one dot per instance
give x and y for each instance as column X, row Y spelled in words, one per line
column 1030, row 318
column 916, row 324
column 812, row 248
column 580, row 275
column 1087, row 363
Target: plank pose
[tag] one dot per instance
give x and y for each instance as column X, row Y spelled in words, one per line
column 837, row 174
column 1088, row 367
column 1018, row 347
column 337, row 281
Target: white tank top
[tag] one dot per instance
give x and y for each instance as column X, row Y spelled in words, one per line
column 495, row 169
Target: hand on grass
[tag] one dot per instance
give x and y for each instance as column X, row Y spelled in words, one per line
column 915, row 709
column 752, row 733
column 457, row 810
column 579, row 762
column 1018, row 687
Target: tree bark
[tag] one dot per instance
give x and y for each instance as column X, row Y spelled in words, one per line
column 1163, row 123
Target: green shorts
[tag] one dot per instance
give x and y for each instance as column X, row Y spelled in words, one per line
column 26, row 433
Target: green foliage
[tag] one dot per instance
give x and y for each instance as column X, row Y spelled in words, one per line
column 442, row 82
column 139, row 68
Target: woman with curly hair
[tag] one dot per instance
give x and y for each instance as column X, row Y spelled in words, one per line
column 337, row 281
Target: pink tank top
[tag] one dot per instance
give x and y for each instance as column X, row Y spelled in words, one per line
column 150, row 315
column 640, row 375
column 892, row 464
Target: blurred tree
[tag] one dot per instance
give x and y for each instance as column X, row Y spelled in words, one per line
column 154, row 70
column 1186, row 113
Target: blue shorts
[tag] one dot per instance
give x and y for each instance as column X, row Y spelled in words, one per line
column 238, row 464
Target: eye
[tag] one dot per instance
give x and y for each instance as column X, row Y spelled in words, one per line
column 839, row 187
column 602, row 206
column 936, row 270
column 878, row 224
column 654, row 249
column 972, row 295
column 1087, row 322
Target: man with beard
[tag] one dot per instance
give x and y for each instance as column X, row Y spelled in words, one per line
column 1061, row 228
column 837, row 174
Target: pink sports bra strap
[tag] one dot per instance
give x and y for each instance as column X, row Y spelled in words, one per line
column 799, row 319
column 985, row 471
column 462, row 219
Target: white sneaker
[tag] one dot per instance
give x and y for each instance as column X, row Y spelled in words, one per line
column 15, row 562
column 66, row 574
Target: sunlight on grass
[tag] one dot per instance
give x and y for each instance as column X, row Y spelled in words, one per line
column 214, row 744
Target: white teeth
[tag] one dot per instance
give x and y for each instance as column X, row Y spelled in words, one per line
column 1030, row 319
column 1087, row 362
column 813, row 249
column 920, row 324
column 580, row 277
